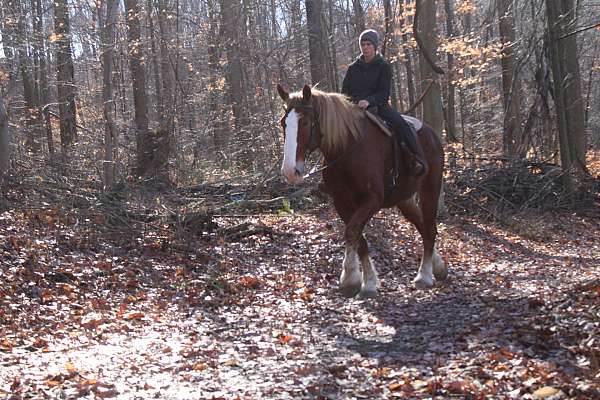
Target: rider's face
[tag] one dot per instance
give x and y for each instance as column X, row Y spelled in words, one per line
column 367, row 49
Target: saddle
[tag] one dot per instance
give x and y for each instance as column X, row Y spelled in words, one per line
column 399, row 149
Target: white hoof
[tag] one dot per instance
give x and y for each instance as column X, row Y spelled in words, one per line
column 350, row 283
column 423, row 282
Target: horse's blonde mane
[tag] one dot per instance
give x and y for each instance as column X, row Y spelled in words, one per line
column 339, row 119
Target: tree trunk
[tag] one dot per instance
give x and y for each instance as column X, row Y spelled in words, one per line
column 568, row 102
column 107, row 23
column 432, row 101
column 167, row 53
column 155, row 69
column 332, row 52
column 450, row 89
column 31, row 116
column 389, row 43
column 572, row 83
column 359, row 16
column 296, row 23
column 220, row 134
column 144, row 146
column 65, row 79
column 410, row 79
column 41, row 73
column 4, row 138
column 511, row 86
column 230, row 14
column 316, row 44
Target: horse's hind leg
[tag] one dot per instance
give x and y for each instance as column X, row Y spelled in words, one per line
column 429, row 196
column 413, row 213
column 370, row 281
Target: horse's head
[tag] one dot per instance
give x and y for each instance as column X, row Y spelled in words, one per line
column 301, row 129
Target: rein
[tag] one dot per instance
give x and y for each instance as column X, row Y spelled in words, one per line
column 316, row 170
column 316, row 124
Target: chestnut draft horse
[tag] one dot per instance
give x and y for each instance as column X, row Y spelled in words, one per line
column 358, row 168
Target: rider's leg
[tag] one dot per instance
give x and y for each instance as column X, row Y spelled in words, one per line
column 407, row 136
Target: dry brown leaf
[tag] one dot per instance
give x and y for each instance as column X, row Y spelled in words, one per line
column 545, row 392
column 134, row 315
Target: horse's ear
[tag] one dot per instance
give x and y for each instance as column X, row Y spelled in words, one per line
column 306, row 93
column 284, row 94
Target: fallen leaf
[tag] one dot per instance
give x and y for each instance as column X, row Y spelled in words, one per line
column 545, row 392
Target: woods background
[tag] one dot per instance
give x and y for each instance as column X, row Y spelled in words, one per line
column 183, row 90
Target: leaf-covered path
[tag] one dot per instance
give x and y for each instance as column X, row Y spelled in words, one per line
column 171, row 317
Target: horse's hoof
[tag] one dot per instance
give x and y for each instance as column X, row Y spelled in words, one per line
column 440, row 273
column 422, row 282
column 350, row 290
column 368, row 294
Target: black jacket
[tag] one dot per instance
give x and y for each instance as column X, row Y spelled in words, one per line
column 368, row 81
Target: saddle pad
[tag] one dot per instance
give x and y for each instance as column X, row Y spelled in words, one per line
column 416, row 123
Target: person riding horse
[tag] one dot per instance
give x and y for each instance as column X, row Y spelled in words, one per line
column 367, row 83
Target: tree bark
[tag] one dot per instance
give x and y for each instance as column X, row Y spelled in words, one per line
column 107, row 23
column 155, row 68
column 65, row 79
column 4, row 138
column 31, row 115
column 230, row 14
column 410, row 79
column 316, row 44
column 41, row 73
column 296, row 22
column 567, row 89
column 167, row 53
column 389, row 42
column 144, row 148
column 511, row 85
column 220, row 134
column 432, row 102
column 450, row 89
column 359, row 16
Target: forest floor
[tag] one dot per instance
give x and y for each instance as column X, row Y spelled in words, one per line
column 166, row 314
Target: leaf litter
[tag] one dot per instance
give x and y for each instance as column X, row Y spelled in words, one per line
column 205, row 317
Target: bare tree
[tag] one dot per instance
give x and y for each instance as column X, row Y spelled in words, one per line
column 65, row 78
column 107, row 16
column 144, row 148
column 450, row 109
column 41, row 72
column 511, row 84
column 359, row 16
column 567, row 89
column 317, row 44
column 230, row 20
column 4, row 138
column 410, row 79
column 425, row 17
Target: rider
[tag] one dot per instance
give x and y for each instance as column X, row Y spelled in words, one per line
column 367, row 82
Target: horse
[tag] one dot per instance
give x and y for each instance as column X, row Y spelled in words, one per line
column 358, row 166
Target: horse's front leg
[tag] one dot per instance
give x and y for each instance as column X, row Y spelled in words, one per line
column 351, row 281
column 370, row 280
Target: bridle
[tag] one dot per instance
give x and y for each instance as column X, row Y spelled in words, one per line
column 315, row 124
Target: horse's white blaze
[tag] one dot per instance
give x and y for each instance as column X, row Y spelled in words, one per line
column 288, row 169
